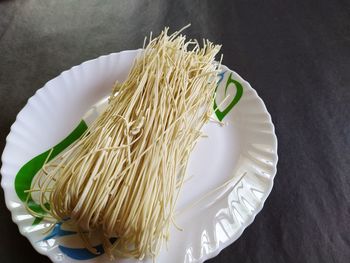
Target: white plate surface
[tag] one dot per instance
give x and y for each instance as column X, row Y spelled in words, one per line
column 243, row 152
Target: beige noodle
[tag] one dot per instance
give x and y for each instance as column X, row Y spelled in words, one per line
column 123, row 176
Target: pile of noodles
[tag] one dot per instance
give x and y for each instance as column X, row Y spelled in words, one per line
column 123, row 176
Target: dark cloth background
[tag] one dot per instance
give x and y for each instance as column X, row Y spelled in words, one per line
column 296, row 54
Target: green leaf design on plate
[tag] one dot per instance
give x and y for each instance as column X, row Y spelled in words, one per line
column 239, row 92
column 24, row 177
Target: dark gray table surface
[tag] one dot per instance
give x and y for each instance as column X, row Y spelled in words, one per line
column 296, row 54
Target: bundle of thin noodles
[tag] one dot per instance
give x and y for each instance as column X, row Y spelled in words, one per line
column 123, row 176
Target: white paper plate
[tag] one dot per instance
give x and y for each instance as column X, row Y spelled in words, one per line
column 244, row 150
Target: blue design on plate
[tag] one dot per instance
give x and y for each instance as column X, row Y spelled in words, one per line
column 75, row 253
column 83, row 253
column 221, row 75
column 57, row 231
